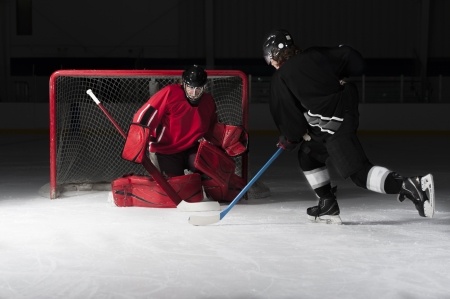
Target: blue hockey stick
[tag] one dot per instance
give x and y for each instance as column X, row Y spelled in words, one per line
column 210, row 219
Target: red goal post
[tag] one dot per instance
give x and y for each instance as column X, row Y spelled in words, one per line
column 85, row 147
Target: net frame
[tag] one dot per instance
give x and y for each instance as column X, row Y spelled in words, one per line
column 55, row 87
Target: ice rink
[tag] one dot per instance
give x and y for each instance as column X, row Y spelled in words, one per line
column 81, row 246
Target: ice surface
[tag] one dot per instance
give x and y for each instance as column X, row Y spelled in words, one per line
column 81, row 246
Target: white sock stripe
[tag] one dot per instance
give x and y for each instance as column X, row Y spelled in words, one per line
column 376, row 178
column 317, row 177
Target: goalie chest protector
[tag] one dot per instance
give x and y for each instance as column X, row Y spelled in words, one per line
column 142, row 191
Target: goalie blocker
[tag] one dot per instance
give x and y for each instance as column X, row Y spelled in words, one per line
column 219, row 181
column 135, row 147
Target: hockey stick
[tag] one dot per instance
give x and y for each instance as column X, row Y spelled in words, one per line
column 205, row 219
column 154, row 172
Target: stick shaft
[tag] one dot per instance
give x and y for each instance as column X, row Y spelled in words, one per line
column 148, row 165
column 252, row 181
column 210, row 219
column 111, row 119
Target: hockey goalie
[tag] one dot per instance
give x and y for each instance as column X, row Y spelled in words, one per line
column 179, row 129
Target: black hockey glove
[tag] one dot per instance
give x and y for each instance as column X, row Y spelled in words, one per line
column 285, row 144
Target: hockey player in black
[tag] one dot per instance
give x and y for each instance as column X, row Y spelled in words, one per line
column 314, row 107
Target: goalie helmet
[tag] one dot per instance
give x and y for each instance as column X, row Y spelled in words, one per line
column 274, row 42
column 194, row 80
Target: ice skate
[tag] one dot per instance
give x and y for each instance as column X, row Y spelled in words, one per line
column 420, row 190
column 327, row 211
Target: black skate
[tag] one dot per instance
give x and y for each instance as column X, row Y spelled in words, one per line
column 420, row 190
column 327, row 211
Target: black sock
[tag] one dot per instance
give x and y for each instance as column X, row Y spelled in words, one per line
column 393, row 183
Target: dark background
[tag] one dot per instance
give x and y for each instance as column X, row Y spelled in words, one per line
column 405, row 42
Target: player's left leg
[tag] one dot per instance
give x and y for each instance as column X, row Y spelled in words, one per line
column 318, row 177
column 326, row 211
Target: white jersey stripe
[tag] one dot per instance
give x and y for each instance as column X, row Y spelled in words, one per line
column 138, row 120
column 151, row 118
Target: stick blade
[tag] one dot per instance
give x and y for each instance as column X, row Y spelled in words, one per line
column 199, row 220
column 198, row 206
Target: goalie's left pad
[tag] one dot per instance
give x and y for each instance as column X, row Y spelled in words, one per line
column 232, row 139
column 213, row 162
column 135, row 147
column 142, row 191
column 227, row 194
column 222, row 183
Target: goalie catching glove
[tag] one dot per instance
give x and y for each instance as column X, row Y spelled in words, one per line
column 135, row 147
column 232, row 139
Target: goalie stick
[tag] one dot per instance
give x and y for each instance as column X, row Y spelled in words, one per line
column 210, row 219
column 154, row 172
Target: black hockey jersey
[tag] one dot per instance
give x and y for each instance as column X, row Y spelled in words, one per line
column 306, row 90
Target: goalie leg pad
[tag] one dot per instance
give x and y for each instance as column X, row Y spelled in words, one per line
column 222, row 183
column 235, row 186
column 214, row 163
column 214, row 190
column 143, row 191
column 224, row 194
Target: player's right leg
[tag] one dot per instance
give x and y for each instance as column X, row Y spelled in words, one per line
column 327, row 211
column 420, row 190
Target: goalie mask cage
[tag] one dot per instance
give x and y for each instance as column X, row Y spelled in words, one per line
column 85, row 147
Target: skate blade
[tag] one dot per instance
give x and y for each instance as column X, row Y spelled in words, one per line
column 327, row 219
column 427, row 184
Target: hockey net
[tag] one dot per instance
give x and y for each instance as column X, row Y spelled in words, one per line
column 85, row 147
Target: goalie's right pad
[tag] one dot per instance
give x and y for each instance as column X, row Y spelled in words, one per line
column 135, row 147
column 142, row 191
column 222, row 183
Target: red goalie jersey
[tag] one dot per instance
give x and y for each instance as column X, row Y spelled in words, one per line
column 175, row 124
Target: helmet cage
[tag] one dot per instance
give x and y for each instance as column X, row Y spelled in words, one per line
column 193, row 93
column 194, row 79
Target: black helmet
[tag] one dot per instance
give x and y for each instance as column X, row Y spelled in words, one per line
column 274, row 42
column 194, row 76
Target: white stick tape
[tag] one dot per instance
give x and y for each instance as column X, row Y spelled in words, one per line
column 92, row 95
